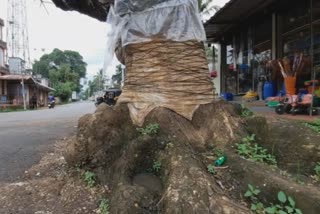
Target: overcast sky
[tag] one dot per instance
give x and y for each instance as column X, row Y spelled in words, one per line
column 66, row 31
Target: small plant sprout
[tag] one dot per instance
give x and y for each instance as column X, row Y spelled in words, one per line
column 315, row 125
column 245, row 112
column 104, row 206
column 252, row 193
column 316, row 177
column 252, row 151
column 90, row 178
column 285, row 204
column 317, row 169
column 156, row 167
column 211, row 169
column 219, row 152
column 149, row 129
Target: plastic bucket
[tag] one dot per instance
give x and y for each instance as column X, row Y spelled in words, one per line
column 268, row 89
column 227, row 96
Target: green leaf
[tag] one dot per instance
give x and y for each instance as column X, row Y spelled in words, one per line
column 289, row 209
column 282, row 197
column 282, row 212
column 253, row 207
column 250, row 187
column 248, row 194
column 260, row 206
column 256, row 191
column 291, row 202
column 271, row 210
column 298, row 211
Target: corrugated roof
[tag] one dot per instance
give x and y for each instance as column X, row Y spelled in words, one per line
column 15, row 77
column 25, row 78
column 234, row 12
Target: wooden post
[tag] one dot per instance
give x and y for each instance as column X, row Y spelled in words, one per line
column 274, row 37
column 1, row 92
column 5, row 92
column 223, row 67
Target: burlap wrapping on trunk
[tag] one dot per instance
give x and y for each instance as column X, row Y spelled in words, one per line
column 166, row 74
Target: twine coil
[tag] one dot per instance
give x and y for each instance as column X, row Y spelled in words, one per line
column 165, row 74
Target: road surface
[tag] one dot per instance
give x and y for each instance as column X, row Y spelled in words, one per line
column 25, row 136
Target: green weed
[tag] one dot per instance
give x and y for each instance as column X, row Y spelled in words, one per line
column 149, row 129
column 211, row 169
column 90, row 178
column 252, row 151
column 316, row 177
column 218, row 152
column 156, row 167
column 315, row 125
column 317, row 169
column 285, row 204
column 252, row 193
column 104, row 206
column 245, row 112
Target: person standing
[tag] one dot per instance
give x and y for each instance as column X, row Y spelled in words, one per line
column 34, row 101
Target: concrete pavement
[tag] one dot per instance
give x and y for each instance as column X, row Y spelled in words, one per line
column 25, row 136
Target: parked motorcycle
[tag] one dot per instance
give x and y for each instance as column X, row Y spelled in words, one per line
column 110, row 97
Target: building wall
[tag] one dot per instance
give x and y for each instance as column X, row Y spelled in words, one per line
column 16, row 65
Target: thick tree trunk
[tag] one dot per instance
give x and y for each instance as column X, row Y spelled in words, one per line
column 166, row 74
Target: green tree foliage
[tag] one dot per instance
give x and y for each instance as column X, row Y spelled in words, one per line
column 97, row 84
column 63, row 90
column 206, row 8
column 63, row 69
column 117, row 78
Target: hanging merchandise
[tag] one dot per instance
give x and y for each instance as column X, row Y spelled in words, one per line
column 213, row 74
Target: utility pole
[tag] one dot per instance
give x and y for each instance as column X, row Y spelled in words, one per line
column 23, row 94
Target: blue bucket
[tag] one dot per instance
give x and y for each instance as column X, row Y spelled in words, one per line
column 227, row 96
column 268, row 89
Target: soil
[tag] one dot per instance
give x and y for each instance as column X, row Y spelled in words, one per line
column 51, row 187
column 123, row 160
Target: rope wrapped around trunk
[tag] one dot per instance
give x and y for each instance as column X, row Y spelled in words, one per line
column 166, row 74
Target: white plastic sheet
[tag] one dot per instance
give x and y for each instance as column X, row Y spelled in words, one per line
column 136, row 21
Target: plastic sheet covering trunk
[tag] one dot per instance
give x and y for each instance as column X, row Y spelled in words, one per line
column 159, row 42
column 136, row 21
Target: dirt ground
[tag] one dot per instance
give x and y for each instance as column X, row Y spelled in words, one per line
column 51, row 187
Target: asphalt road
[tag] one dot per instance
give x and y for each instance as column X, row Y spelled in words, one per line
column 25, row 136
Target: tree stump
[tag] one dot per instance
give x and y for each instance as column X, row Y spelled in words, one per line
column 109, row 144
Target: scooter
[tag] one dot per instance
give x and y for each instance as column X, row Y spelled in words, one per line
column 296, row 104
column 51, row 104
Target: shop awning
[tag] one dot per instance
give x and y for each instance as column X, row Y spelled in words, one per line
column 15, row 77
column 25, row 78
column 234, row 12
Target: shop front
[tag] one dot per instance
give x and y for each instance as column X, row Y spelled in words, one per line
column 265, row 44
